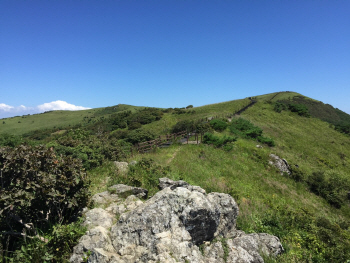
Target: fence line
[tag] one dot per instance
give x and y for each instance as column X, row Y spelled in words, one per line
column 166, row 140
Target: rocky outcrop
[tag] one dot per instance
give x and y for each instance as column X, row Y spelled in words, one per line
column 281, row 164
column 180, row 223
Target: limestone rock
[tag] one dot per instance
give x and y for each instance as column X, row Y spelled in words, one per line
column 125, row 190
column 95, row 238
column 105, row 198
column 166, row 182
column 180, row 223
column 122, row 167
column 280, row 164
column 98, row 217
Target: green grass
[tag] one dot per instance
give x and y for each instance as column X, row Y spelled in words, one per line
column 307, row 142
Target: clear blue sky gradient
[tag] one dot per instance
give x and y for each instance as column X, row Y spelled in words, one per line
column 171, row 53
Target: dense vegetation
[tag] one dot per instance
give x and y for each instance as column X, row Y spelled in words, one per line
column 38, row 190
column 309, row 210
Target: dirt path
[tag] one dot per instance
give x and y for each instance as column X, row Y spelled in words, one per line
column 172, row 157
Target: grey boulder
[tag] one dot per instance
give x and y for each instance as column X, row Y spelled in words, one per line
column 180, row 223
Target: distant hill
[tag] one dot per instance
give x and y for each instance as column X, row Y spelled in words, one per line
column 57, row 120
column 61, row 120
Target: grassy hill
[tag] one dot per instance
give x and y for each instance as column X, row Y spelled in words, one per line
column 308, row 210
column 56, row 120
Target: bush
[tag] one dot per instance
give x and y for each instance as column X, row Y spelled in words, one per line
column 118, row 134
column 296, row 174
column 90, row 153
column 134, row 126
column 270, row 142
column 202, row 127
column 92, row 150
column 218, row 125
column 210, row 138
column 39, row 189
column 145, row 173
column 278, row 107
column 191, row 126
column 139, row 135
column 245, row 128
column 185, row 125
column 301, row 109
column 329, row 188
column 60, row 242
column 145, row 116
column 343, row 127
column 10, row 140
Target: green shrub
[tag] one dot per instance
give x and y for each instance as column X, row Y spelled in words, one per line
column 254, row 132
column 181, row 111
column 58, row 246
column 145, row 116
column 218, row 125
column 202, row 127
column 39, row 189
column 269, row 141
column 278, row 106
column 145, row 173
column 134, row 126
column 119, row 120
column 140, row 135
column 245, row 128
column 296, row 174
column 329, row 188
column 184, row 125
column 210, row 138
column 90, row 154
column 343, row 127
column 10, row 140
column 118, row 134
column 301, row 109
column 63, row 238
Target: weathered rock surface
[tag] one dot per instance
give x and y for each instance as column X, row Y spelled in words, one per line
column 125, row 190
column 122, row 167
column 170, row 227
column 281, row 164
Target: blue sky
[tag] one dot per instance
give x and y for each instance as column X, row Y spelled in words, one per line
column 167, row 53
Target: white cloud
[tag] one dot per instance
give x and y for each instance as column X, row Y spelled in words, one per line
column 7, row 111
column 60, row 105
column 4, row 107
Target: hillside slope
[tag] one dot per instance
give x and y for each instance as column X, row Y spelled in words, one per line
column 309, row 209
column 311, row 228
